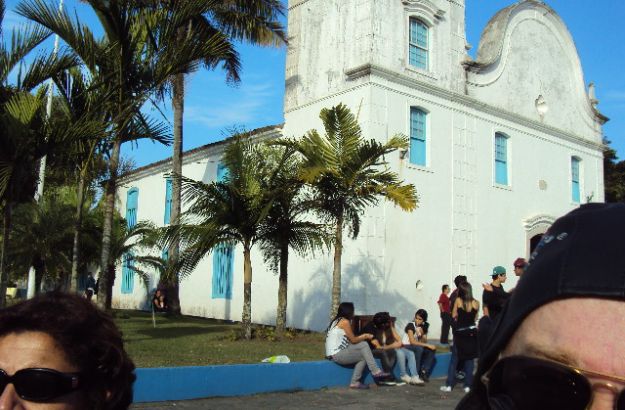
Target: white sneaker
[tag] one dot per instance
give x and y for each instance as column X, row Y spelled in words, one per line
column 467, row 389
column 416, row 380
column 446, row 388
column 405, row 378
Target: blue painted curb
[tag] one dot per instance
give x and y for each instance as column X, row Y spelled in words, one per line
column 194, row 382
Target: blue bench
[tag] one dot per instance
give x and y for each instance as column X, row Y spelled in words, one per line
column 194, row 382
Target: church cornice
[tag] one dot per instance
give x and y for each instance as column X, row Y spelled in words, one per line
column 424, row 7
column 368, row 70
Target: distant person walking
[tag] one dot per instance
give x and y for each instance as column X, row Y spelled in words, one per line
column 90, row 286
column 444, row 307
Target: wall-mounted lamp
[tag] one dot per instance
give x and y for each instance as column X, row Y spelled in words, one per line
column 419, row 285
column 403, row 153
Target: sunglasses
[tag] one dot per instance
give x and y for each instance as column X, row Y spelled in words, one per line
column 527, row 383
column 40, row 385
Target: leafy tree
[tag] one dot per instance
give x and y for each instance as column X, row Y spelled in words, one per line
column 231, row 211
column 613, row 175
column 288, row 224
column 220, row 24
column 127, row 70
column 349, row 174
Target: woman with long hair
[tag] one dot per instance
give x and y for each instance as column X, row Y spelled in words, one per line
column 464, row 349
column 345, row 348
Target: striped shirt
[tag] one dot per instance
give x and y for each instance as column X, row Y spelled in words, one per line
column 336, row 339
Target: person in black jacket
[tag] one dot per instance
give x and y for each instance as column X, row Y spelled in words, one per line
column 558, row 343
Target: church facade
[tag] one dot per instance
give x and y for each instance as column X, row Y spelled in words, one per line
column 500, row 146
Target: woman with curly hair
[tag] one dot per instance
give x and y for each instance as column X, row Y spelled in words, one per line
column 60, row 352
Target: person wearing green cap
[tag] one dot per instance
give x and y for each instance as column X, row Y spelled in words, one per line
column 494, row 298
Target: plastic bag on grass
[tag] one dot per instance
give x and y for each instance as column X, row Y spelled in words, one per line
column 277, row 359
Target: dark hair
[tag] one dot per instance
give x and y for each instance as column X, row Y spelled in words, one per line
column 380, row 321
column 89, row 339
column 423, row 314
column 445, row 286
column 345, row 311
column 459, row 279
column 465, row 293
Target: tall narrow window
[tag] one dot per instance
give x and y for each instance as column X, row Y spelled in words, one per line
column 501, row 159
column 128, row 272
column 575, row 189
column 132, row 202
column 417, row 136
column 168, row 199
column 223, row 258
column 418, row 48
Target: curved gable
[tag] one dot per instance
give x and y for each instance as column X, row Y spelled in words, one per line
column 528, row 64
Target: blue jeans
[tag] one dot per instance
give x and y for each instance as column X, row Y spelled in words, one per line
column 424, row 358
column 467, row 367
column 404, row 355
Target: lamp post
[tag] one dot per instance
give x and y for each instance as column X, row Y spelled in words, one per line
column 42, row 163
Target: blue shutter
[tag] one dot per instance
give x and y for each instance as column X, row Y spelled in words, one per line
column 501, row 159
column 127, row 273
column 223, row 258
column 417, row 136
column 132, row 201
column 168, row 200
column 418, row 44
column 223, row 265
column 575, row 191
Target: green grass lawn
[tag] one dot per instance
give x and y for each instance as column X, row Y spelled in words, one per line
column 192, row 341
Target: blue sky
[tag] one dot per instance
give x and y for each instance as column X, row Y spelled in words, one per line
column 213, row 107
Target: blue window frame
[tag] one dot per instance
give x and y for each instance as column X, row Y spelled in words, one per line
column 223, row 258
column 128, row 274
column 575, row 188
column 132, row 202
column 418, row 48
column 418, row 136
column 169, row 185
column 501, row 159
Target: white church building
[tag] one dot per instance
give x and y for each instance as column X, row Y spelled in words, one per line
column 500, row 146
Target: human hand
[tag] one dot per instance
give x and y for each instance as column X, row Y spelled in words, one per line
column 487, row 287
column 431, row 347
column 367, row 336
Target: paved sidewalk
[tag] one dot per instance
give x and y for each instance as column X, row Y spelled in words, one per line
column 428, row 397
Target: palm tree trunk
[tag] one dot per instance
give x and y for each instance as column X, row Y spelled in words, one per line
column 247, row 291
column 109, row 209
column 4, row 274
column 336, row 274
column 176, row 201
column 282, row 291
column 73, row 287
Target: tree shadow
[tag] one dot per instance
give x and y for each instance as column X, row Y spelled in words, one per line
column 175, row 332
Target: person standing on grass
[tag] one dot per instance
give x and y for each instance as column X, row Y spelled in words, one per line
column 444, row 307
column 345, row 348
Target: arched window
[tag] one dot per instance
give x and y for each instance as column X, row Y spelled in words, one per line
column 418, row 136
column 501, row 159
column 419, row 42
column 575, row 179
column 132, row 202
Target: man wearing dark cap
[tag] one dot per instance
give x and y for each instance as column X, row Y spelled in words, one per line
column 559, row 342
column 519, row 266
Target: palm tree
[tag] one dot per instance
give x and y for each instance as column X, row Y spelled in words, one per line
column 228, row 212
column 24, row 134
column 224, row 22
column 287, row 226
column 129, row 72
column 349, row 174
